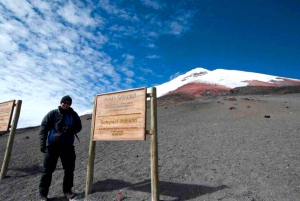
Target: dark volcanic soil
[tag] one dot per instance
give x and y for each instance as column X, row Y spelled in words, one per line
column 220, row 148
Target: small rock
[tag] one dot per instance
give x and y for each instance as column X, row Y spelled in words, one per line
column 231, row 99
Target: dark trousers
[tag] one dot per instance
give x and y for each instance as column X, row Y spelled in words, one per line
column 66, row 153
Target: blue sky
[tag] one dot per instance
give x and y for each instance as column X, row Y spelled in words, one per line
column 258, row 36
column 83, row 48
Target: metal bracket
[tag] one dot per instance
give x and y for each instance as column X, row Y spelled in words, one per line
column 149, row 132
column 149, row 95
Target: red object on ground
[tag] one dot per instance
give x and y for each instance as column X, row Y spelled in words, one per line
column 120, row 195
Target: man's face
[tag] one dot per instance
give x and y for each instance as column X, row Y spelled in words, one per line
column 65, row 105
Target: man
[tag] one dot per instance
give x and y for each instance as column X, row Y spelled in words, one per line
column 57, row 136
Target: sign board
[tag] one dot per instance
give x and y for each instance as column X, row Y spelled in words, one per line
column 6, row 111
column 120, row 115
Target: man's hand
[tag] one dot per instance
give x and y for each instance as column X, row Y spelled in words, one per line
column 67, row 130
column 43, row 148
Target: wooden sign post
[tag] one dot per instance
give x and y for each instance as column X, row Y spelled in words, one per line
column 122, row 116
column 6, row 111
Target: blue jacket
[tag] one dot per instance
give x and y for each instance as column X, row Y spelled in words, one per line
column 54, row 121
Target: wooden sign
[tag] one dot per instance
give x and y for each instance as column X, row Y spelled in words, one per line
column 6, row 111
column 120, row 115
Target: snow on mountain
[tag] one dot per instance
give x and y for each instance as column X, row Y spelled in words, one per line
column 217, row 79
column 220, row 77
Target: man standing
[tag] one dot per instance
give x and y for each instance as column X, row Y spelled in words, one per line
column 57, row 135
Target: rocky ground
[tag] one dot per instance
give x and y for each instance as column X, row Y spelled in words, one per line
column 244, row 148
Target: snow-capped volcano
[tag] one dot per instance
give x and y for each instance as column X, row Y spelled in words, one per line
column 222, row 79
column 200, row 81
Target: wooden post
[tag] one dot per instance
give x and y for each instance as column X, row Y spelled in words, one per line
column 90, row 169
column 10, row 141
column 154, row 148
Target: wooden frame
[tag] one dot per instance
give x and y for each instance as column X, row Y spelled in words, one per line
column 153, row 148
column 10, row 139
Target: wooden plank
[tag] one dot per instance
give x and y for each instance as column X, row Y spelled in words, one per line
column 120, row 116
column 6, row 111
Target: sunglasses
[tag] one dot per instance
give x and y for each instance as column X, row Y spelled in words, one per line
column 66, row 102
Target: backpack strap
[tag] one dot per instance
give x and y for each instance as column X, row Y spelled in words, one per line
column 77, row 137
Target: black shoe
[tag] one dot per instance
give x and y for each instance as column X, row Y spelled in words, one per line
column 69, row 195
column 43, row 198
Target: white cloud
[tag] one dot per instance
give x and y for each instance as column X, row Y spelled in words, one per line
column 153, row 34
column 43, row 58
column 176, row 28
column 113, row 9
column 110, row 8
column 151, row 45
column 42, row 6
column 53, row 48
column 128, row 60
column 75, row 15
column 7, row 44
column 180, row 23
column 125, row 68
column 153, row 57
column 20, row 10
column 175, row 75
column 153, row 4
column 147, row 70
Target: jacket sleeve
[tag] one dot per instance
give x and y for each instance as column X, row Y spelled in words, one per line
column 46, row 125
column 77, row 123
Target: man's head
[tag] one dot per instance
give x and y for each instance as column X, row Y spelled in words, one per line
column 66, row 102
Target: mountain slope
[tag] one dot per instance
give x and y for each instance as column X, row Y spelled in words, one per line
column 200, row 80
column 209, row 149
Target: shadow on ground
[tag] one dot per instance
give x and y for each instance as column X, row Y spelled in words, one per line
column 28, row 171
column 178, row 190
column 3, row 132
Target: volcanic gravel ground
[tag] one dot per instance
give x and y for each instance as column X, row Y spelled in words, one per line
column 246, row 149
